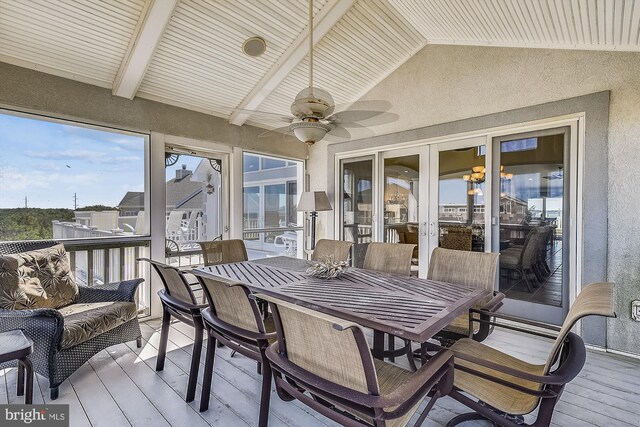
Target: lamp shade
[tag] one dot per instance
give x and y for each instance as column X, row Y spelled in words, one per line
column 314, row 201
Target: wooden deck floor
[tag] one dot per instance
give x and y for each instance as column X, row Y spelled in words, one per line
column 119, row 387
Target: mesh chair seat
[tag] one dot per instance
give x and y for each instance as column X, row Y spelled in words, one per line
column 390, row 377
column 501, row 397
column 460, row 325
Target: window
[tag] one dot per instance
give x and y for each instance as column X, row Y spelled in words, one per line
column 65, row 181
column 270, row 163
column 250, row 163
column 68, row 182
column 270, row 196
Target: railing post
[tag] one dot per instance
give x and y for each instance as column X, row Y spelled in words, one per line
column 90, row 267
column 107, row 266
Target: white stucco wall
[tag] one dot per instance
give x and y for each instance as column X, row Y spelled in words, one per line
column 442, row 84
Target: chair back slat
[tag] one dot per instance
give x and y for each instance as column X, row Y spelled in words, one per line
column 223, row 251
column 594, row 300
column 174, row 282
column 337, row 250
column 475, row 269
column 326, row 346
column 392, row 258
column 230, row 303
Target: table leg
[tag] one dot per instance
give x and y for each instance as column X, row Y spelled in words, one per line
column 20, row 389
column 27, row 368
column 378, row 345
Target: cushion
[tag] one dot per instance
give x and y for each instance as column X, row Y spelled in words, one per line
column 37, row 279
column 85, row 321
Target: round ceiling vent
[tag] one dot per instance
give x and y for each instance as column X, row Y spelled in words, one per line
column 254, row 46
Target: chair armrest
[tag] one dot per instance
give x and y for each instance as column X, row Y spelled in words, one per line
column 494, row 303
column 179, row 305
column 117, row 291
column 42, row 325
column 407, row 395
column 438, row 368
column 569, row 368
column 485, row 318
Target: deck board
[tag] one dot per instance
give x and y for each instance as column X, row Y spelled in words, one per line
column 119, row 387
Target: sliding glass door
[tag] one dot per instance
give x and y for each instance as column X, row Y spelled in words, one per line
column 357, row 204
column 531, row 217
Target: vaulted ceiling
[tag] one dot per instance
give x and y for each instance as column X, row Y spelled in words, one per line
column 188, row 53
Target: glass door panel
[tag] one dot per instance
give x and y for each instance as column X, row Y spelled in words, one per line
column 532, row 210
column 400, row 200
column 356, row 202
column 461, row 198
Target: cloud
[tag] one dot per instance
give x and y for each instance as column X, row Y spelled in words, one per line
column 95, row 157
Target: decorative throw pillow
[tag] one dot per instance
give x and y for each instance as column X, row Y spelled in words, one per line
column 37, row 279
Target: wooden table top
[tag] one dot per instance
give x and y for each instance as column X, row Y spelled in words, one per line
column 407, row 307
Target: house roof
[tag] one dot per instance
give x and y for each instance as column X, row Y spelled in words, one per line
column 133, row 199
column 184, row 194
column 189, row 53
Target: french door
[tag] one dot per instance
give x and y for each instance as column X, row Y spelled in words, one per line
column 434, row 196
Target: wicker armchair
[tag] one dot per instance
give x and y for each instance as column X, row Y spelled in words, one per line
column 325, row 363
column 502, row 388
column 66, row 337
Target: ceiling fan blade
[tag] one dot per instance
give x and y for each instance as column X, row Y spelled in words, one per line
column 339, row 132
column 275, row 132
column 369, row 118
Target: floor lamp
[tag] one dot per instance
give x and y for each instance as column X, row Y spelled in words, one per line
column 313, row 202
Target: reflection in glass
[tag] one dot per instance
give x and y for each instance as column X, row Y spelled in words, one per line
column 357, row 205
column 401, row 178
column 461, row 202
column 270, row 196
column 531, row 218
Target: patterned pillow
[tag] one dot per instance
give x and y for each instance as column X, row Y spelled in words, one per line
column 37, row 279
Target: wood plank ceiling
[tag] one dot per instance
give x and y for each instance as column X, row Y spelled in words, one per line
column 198, row 62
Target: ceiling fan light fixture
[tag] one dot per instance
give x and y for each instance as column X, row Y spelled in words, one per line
column 309, row 132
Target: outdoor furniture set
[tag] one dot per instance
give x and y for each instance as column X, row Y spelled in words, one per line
column 321, row 341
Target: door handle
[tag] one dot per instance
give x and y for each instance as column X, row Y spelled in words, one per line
column 432, row 229
column 423, row 229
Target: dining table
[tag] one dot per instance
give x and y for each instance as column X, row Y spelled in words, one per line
column 407, row 307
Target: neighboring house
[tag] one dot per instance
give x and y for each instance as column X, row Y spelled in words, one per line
column 131, row 203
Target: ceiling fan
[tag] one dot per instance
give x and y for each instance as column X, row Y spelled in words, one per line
column 313, row 118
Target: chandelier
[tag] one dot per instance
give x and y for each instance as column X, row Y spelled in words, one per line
column 477, row 176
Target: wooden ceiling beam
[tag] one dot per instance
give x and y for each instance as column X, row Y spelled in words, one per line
column 153, row 21
column 323, row 22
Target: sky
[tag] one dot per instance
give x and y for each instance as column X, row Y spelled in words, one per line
column 48, row 162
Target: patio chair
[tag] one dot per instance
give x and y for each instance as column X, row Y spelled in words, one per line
column 473, row 269
column 506, row 388
column 178, row 300
column 524, row 261
column 392, row 258
column 325, row 363
column 223, row 251
column 235, row 320
column 337, row 250
column 68, row 322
